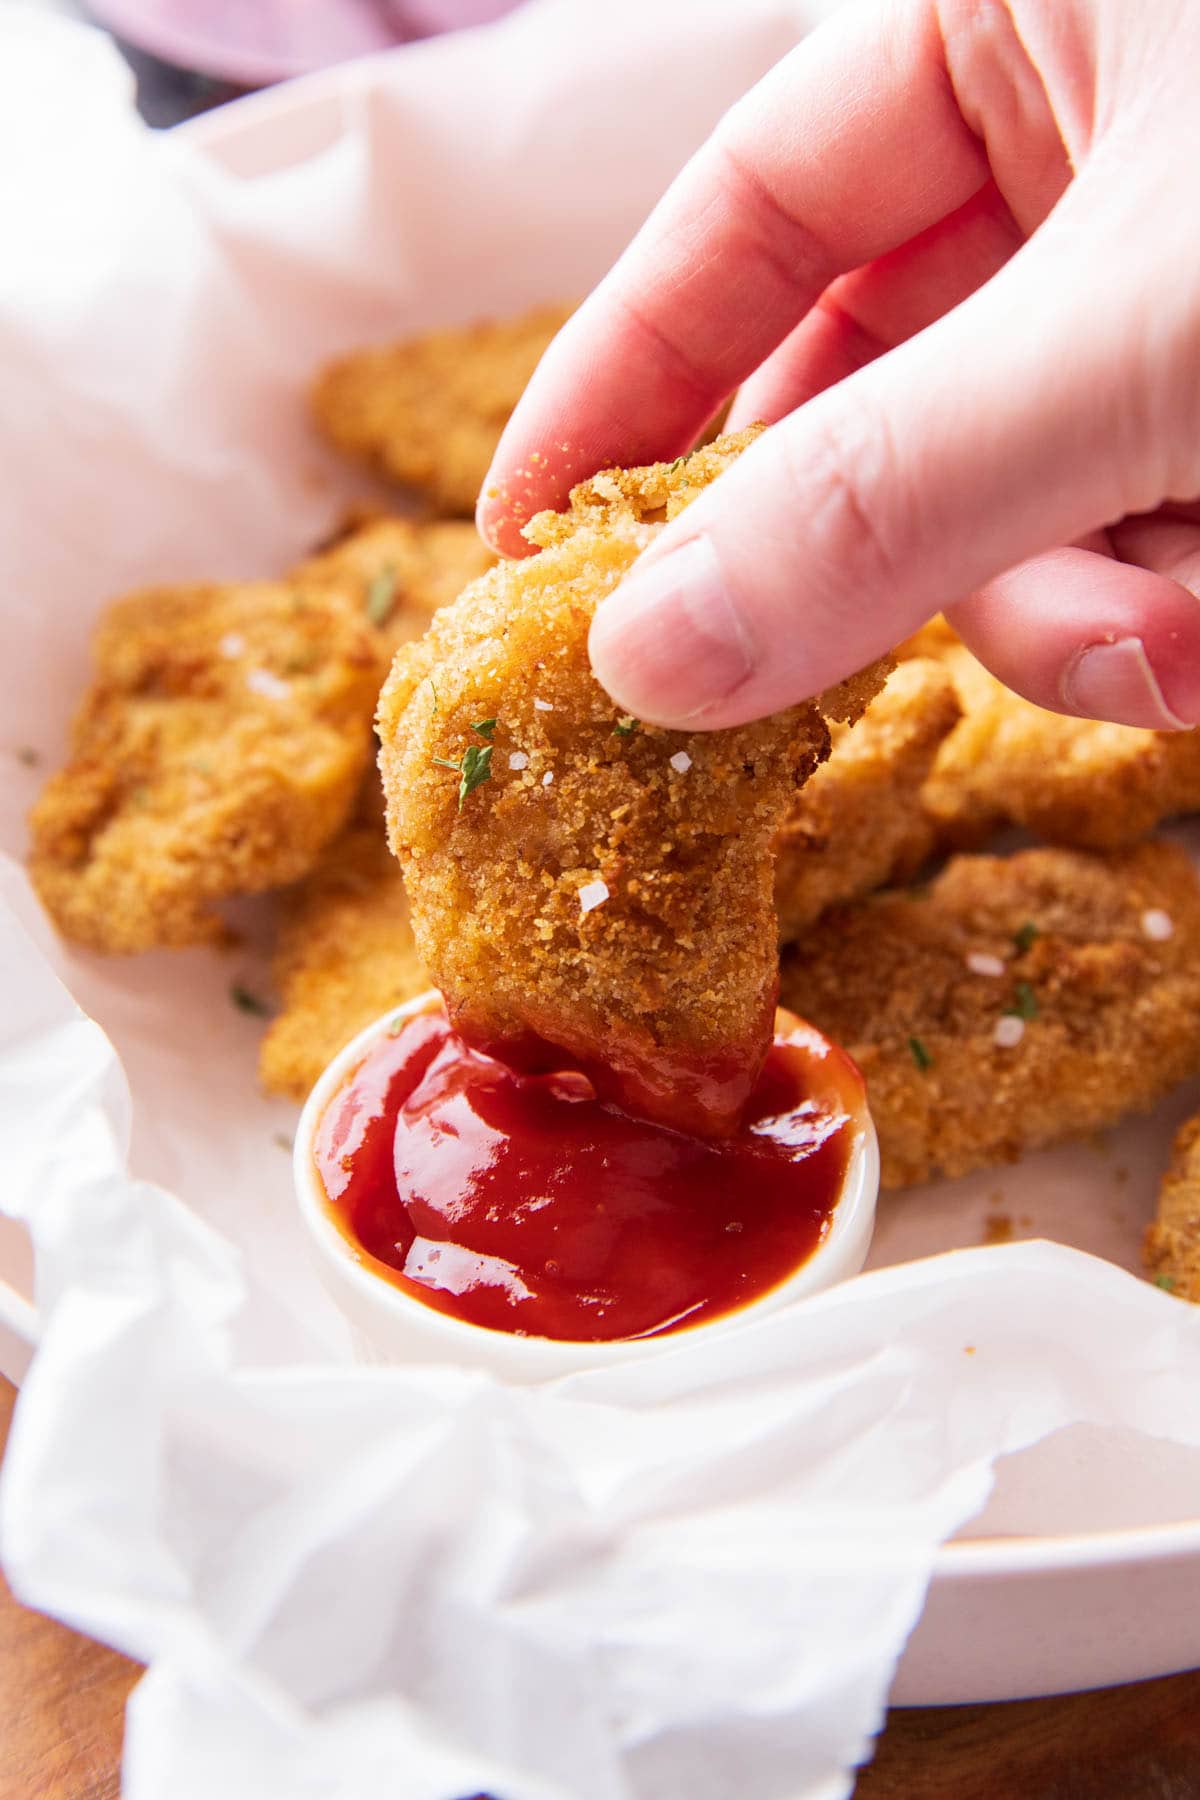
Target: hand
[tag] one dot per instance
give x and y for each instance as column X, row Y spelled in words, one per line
column 949, row 249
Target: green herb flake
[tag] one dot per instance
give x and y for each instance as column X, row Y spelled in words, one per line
column 435, row 695
column 381, row 596
column 625, row 726
column 476, row 769
column 28, row 756
column 248, row 1002
column 473, row 770
column 920, row 1054
column 485, row 727
column 1024, row 938
column 1025, row 1003
column 1166, row 1283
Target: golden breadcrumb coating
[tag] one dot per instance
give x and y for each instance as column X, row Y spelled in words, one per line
column 607, row 889
column 216, row 752
column 1099, row 983
column 859, row 821
column 1171, row 1252
column 345, row 954
column 429, row 411
column 934, row 638
column 1071, row 781
column 399, row 571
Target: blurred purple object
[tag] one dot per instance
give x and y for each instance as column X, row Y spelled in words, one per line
column 428, row 16
column 255, row 42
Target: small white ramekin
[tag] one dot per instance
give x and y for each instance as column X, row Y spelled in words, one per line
column 389, row 1326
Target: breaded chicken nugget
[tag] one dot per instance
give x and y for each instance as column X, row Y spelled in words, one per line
column 345, row 954
column 583, row 884
column 399, row 571
column 1017, row 1002
column 217, row 751
column 428, row 412
column 1172, row 1249
column 1071, row 781
column 859, row 822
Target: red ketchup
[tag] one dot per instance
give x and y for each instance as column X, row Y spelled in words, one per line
column 523, row 1203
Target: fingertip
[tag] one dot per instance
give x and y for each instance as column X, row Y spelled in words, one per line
column 1082, row 634
column 1115, row 679
column 514, row 489
column 498, row 523
column 523, row 482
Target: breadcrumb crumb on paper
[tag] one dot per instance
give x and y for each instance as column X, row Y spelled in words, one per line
column 1091, row 1021
column 670, row 985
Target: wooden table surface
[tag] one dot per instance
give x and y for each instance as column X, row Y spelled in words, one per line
column 62, row 1698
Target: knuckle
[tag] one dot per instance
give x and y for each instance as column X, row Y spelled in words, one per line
column 847, row 474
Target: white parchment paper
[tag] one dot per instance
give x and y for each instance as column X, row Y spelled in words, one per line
column 685, row 1578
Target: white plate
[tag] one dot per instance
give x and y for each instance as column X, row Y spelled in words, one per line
column 1082, row 1569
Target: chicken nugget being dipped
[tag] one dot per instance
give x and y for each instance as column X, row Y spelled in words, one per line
column 586, row 888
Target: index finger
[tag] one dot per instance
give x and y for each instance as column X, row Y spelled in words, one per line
column 848, row 147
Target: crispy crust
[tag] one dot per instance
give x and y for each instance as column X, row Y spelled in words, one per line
column 216, row 752
column 344, row 955
column 428, row 412
column 669, row 981
column 422, row 565
column 859, row 821
column 225, row 734
column 1118, row 1013
column 1078, row 782
column 1171, row 1252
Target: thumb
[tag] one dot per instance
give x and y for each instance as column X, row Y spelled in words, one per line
column 1022, row 419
